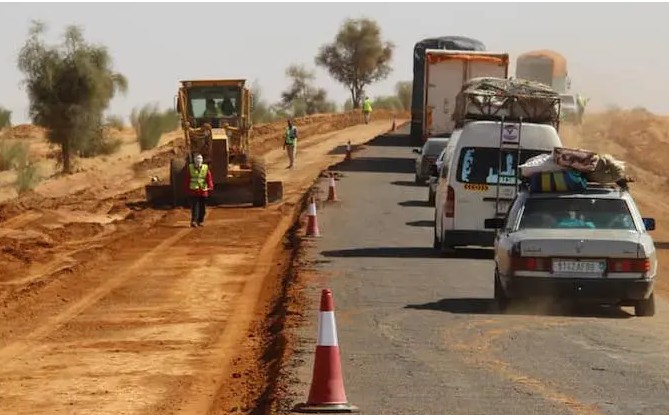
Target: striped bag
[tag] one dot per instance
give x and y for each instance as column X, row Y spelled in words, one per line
column 557, row 181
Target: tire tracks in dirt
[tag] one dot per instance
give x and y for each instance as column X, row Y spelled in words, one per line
column 108, row 313
column 23, row 345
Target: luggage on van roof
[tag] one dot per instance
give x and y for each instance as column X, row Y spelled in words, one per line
column 488, row 98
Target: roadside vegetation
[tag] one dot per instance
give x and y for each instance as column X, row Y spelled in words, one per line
column 150, row 123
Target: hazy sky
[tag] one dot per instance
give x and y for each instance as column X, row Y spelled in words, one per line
column 615, row 52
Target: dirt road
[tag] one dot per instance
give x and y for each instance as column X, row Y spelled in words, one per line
column 418, row 332
column 145, row 315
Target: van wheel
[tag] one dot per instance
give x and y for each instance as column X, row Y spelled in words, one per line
column 645, row 308
column 435, row 242
column 446, row 249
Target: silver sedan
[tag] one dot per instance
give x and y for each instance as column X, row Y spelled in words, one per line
column 592, row 246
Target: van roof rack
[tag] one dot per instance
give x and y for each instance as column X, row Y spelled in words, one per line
column 495, row 99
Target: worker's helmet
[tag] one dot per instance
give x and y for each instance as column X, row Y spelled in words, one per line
column 198, row 158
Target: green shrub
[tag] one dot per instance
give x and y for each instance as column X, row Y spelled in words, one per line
column 97, row 143
column 5, row 118
column 116, row 122
column 150, row 124
column 27, row 177
column 12, row 154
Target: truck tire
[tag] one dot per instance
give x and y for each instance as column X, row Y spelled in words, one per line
column 177, row 169
column 259, row 182
column 645, row 308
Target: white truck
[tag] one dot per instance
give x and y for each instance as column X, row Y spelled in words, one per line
column 446, row 71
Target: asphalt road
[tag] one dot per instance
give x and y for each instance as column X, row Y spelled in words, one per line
column 419, row 334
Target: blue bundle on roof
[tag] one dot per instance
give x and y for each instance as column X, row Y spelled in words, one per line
column 557, row 181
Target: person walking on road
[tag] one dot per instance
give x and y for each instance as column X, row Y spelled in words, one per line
column 290, row 143
column 199, row 182
column 367, row 109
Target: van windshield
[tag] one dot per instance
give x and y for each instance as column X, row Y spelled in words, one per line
column 479, row 165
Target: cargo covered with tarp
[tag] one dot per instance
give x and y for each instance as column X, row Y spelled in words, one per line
column 569, row 169
column 509, row 99
column 417, row 97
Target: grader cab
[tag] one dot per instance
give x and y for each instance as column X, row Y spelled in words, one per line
column 216, row 121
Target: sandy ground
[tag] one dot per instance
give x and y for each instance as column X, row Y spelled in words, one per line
column 111, row 307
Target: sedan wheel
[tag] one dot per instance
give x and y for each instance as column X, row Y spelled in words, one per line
column 645, row 308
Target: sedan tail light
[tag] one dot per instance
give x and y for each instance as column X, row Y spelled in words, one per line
column 450, row 202
column 526, row 263
column 628, row 265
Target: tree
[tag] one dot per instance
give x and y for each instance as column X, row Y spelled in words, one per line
column 302, row 96
column 262, row 111
column 403, row 90
column 69, row 85
column 5, row 118
column 357, row 57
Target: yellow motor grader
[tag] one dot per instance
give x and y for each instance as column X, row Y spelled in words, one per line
column 216, row 121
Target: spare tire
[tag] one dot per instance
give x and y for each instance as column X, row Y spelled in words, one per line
column 259, row 182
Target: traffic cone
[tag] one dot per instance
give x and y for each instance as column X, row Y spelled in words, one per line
column 332, row 192
column 312, row 221
column 348, row 150
column 327, row 394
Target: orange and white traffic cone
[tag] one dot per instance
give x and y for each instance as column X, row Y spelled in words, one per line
column 312, row 221
column 332, row 192
column 348, row 150
column 327, row 394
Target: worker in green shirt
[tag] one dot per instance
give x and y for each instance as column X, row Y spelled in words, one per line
column 367, row 109
column 290, row 143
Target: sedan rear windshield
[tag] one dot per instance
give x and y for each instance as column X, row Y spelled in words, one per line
column 580, row 213
column 480, row 165
column 433, row 148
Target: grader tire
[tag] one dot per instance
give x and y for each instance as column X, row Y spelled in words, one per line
column 177, row 167
column 259, row 182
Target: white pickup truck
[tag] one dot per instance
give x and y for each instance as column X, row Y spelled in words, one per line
column 446, row 71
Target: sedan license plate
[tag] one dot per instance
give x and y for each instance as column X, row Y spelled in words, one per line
column 568, row 266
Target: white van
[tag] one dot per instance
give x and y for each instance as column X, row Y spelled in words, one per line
column 472, row 188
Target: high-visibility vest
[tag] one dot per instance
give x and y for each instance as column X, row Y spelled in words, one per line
column 290, row 135
column 367, row 106
column 198, row 178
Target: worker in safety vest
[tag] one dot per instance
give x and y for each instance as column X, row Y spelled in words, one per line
column 367, row 109
column 199, row 182
column 290, row 143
